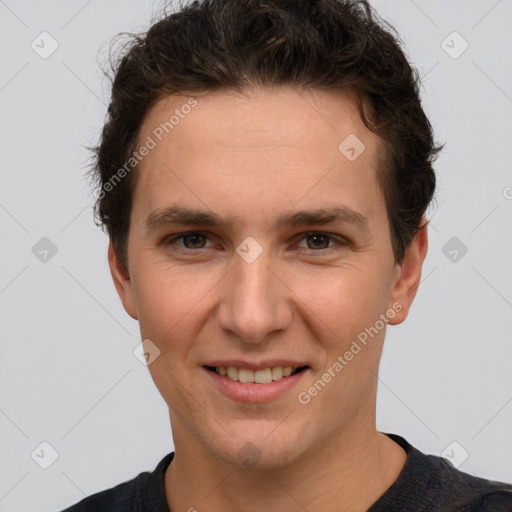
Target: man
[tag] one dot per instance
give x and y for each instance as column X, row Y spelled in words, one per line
column 264, row 171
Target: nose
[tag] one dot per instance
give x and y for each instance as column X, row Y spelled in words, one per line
column 255, row 302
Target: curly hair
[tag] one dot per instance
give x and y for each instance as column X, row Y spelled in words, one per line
column 321, row 45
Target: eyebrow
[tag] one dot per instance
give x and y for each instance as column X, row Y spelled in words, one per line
column 178, row 214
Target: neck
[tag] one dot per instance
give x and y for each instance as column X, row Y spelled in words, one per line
column 348, row 473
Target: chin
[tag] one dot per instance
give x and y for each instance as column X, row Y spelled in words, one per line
column 256, row 449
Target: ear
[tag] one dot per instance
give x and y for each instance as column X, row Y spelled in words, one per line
column 122, row 282
column 407, row 276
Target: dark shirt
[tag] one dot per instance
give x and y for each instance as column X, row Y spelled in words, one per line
column 426, row 483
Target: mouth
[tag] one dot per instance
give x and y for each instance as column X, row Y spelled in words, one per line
column 262, row 376
column 263, row 385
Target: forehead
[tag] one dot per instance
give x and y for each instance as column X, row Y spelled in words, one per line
column 257, row 115
column 263, row 144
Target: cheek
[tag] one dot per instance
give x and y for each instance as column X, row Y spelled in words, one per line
column 168, row 299
column 176, row 301
column 345, row 299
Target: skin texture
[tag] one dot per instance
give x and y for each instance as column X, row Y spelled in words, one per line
column 249, row 158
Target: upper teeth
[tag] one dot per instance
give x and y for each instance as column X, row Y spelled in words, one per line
column 265, row 376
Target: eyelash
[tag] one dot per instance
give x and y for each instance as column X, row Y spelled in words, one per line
column 342, row 242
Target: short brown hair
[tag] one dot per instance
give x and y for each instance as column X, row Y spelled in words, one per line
column 329, row 45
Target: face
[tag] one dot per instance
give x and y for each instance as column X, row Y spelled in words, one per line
column 255, row 284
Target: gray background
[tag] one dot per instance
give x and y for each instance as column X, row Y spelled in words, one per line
column 68, row 376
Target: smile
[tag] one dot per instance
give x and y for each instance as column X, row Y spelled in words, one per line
column 263, row 376
column 254, row 386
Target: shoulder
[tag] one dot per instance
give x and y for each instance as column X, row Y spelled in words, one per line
column 118, row 498
column 430, row 482
column 470, row 493
column 496, row 501
column 135, row 495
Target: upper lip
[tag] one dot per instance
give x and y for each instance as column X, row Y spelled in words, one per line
column 261, row 365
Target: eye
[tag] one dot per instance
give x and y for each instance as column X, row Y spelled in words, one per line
column 192, row 241
column 195, row 240
column 320, row 241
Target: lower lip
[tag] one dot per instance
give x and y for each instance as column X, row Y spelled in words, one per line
column 252, row 392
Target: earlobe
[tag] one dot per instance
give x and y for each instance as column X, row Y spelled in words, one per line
column 408, row 275
column 122, row 282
